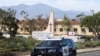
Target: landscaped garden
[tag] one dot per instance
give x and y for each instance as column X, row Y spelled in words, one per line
column 10, row 45
column 20, row 44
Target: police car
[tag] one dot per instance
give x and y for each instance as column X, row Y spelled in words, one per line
column 55, row 47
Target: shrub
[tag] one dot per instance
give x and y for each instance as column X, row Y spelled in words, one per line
column 5, row 52
column 88, row 44
column 93, row 44
column 18, row 43
column 31, row 42
column 80, row 45
column 98, row 43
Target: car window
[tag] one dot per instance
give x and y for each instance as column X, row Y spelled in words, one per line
column 50, row 43
column 64, row 42
column 73, row 43
column 69, row 43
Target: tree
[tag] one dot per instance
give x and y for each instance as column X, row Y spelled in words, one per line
column 92, row 22
column 24, row 14
column 66, row 22
column 11, row 22
column 80, row 16
column 2, row 14
column 31, row 23
column 41, row 23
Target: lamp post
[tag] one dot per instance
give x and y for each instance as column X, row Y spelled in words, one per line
column 92, row 16
column 93, row 22
column 92, row 13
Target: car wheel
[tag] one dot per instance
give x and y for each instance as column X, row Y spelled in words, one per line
column 32, row 54
column 74, row 53
column 60, row 54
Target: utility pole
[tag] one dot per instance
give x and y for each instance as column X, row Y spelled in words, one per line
column 93, row 23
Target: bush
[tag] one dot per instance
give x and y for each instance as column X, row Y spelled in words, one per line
column 80, row 45
column 98, row 43
column 88, row 44
column 18, row 43
column 5, row 52
column 31, row 42
column 88, row 37
column 94, row 44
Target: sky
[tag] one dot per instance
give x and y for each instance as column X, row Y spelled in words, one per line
column 77, row 5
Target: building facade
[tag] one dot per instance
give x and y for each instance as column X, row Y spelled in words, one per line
column 23, row 27
column 58, row 28
column 75, row 27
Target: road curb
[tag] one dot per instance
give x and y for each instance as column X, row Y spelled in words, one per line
column 79, row 51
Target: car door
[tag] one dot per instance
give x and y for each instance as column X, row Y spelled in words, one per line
column 70, row 46
column 65, row 48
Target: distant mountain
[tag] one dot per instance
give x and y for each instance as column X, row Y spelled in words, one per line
column 37, row 9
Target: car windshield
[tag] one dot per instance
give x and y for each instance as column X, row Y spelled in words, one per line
column 50, row 43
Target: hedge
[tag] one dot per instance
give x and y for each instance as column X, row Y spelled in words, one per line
column 88, row 44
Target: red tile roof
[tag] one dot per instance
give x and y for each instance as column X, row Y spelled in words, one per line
column 74, row 22
column 71, row 22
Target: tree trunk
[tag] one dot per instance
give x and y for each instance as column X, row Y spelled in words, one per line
column 98, row 34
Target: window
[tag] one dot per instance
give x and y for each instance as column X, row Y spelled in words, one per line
column 90, row 30
column 69, row 43
column 61, row 29
column 27, row 29
column 68, row 29
column 54, row 29
column 21, row 29
column 73, row 43
column 50, row 43
column 64, row 42
column 75, row 29
column 82, row 29
column 44, row 28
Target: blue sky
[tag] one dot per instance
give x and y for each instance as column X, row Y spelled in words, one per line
column 79, row 5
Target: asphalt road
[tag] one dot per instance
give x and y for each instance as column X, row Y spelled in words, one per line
column 96, row 53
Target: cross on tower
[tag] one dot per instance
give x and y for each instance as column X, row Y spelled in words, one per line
column 50, row 26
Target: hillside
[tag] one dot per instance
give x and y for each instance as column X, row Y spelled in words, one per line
column 37, row 9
